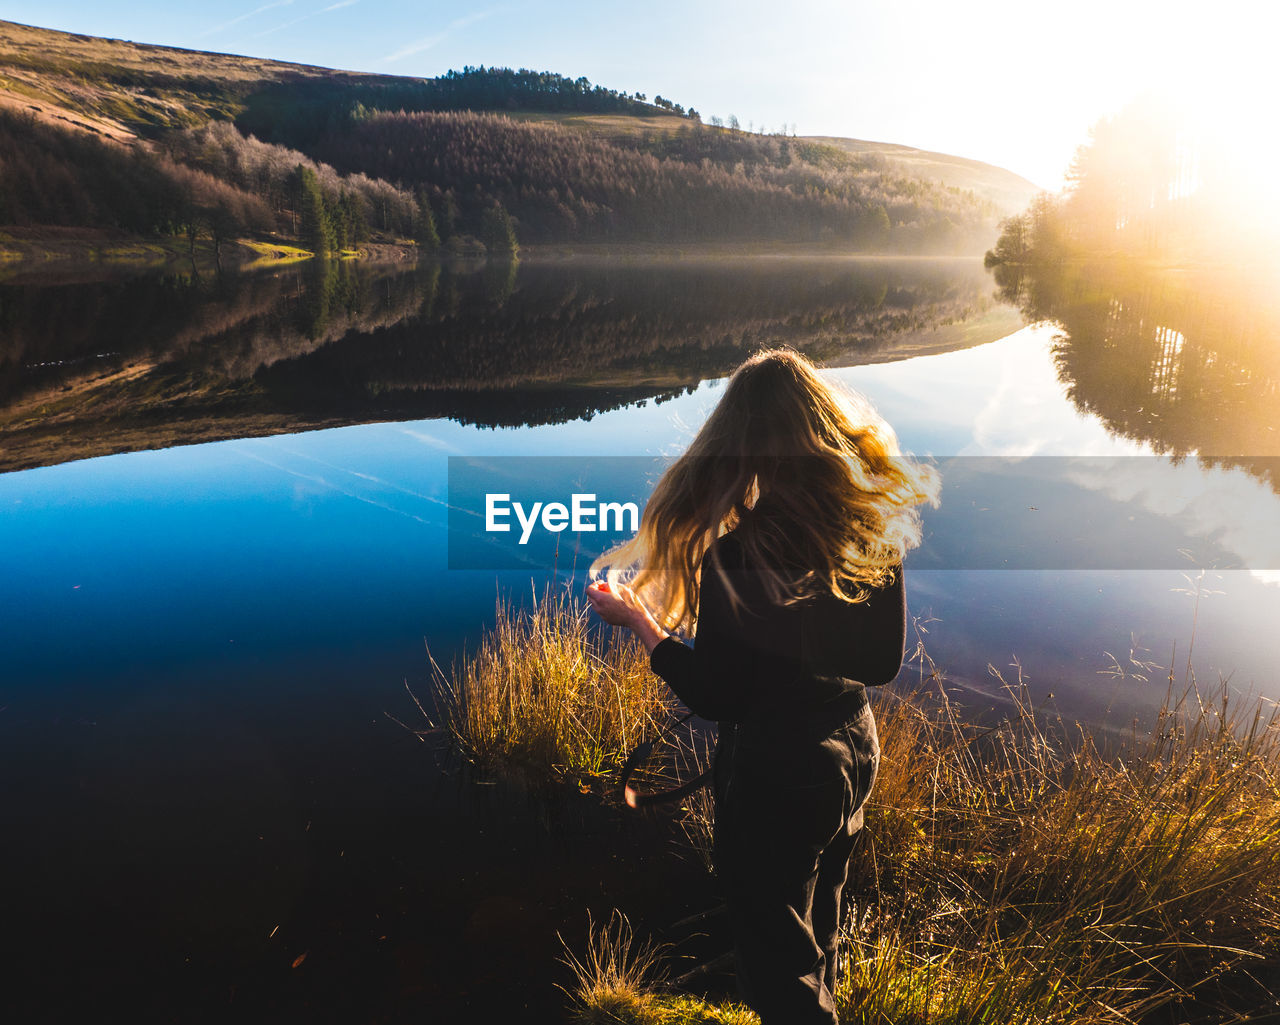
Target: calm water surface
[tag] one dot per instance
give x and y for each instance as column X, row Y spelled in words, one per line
column 203, row 642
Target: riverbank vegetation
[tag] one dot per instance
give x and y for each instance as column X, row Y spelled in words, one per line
column 1158, row 264
column 1154, row 186
column 1012, row 872
column 209, row 183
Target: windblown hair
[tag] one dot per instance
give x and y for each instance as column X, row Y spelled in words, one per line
column 806, row 474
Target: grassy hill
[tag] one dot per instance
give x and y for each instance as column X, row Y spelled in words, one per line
column 565, row 160
column 121, row 89
column 1011, row 192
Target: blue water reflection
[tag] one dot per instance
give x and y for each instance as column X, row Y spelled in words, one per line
column 316, row 564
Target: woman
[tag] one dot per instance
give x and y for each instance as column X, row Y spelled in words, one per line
column 779, row 535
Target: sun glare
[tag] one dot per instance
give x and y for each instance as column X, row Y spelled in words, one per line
column 1228, row 143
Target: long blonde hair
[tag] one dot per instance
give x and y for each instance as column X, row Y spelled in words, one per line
column 842, row 497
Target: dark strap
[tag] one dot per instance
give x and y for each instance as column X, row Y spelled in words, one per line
column 634, row 798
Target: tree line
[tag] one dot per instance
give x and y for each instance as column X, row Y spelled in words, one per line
column 326, row 210
column 702, row 184
column 1151, row 185
column 210, row 182
column 54, row 176
column 299, row 112
column 216, row 183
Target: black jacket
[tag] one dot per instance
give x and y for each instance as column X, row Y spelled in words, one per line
column 792, row 668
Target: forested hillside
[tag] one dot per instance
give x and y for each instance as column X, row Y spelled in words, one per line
column 700, row 184
column 201, row 182
column 154, row 140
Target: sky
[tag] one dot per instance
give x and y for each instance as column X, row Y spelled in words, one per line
column 1016, row 83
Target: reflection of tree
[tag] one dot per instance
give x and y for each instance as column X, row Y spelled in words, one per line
column 500, row 281
column 1185, row 363
column 609, row 324
column 331, row 292
column 107, row 365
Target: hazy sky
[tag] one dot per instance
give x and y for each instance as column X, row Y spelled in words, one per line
column 1013, row 82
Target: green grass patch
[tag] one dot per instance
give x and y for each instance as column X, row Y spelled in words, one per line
column 274, row 252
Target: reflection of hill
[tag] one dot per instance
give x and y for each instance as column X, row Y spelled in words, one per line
column 63, row 334
column 115, row 365
column 1185, row 362
column 663, row 324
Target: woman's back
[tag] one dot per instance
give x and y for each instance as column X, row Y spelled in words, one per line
column 798, row 666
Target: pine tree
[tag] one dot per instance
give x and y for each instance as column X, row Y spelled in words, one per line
column 449, row 215
column 497, row 231
column 352, row 215
column 314, row 230
column 424, row 224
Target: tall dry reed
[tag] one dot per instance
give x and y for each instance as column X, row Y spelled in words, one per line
column 1018, row 873
column 549, row 694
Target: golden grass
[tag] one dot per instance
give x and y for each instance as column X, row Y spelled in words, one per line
column 1019, row 873
column 615, row 984
column 546, row 694
column 1010, row 873
column 1010, row 876
column 612, row 125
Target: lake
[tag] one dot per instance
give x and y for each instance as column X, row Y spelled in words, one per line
column 230, row 539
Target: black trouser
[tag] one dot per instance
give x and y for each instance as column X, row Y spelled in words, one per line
column 788, row 810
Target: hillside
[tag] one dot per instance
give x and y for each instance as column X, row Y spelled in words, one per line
column 121, row 89
column 489, row 153
column 1011, row 192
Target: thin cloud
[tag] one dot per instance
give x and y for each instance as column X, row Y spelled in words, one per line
column 304, row 17
column 244, row 17
column 427, row 42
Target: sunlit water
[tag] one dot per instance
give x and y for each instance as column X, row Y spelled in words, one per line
column 312, row 567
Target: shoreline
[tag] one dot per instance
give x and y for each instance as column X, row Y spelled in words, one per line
column 44, row 247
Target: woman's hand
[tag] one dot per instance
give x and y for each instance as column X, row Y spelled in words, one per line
column 618, row 605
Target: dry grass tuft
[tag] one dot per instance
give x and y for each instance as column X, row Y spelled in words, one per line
column 618, row 982
column 547, row 694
